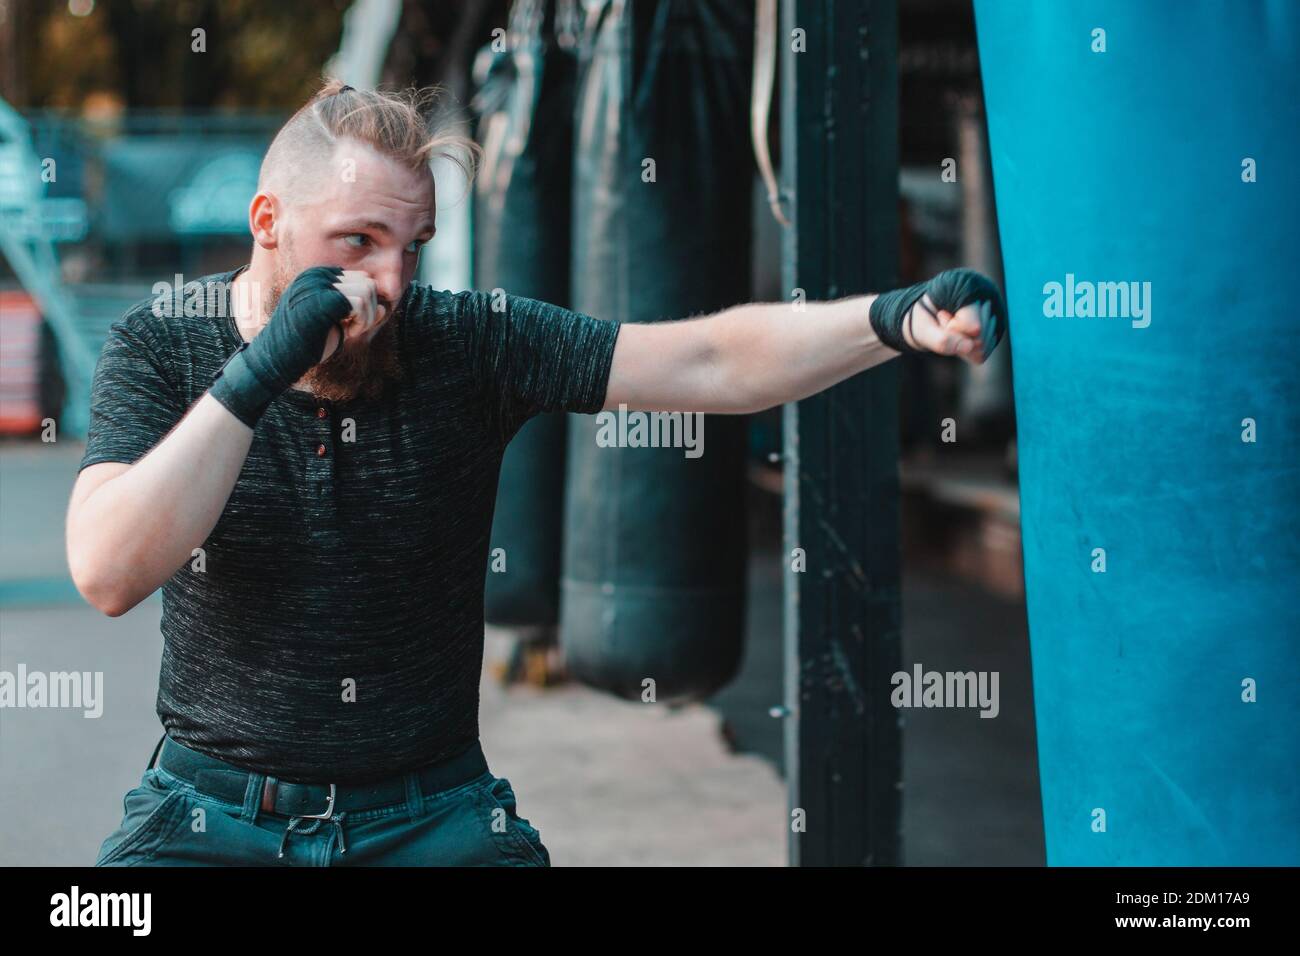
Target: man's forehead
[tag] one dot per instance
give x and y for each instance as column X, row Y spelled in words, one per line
column 361, row 173
column 365, row 221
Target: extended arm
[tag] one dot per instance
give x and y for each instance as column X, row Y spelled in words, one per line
column 751, row 357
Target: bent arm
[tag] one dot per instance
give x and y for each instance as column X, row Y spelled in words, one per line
column 130, row 527
column 743, row 359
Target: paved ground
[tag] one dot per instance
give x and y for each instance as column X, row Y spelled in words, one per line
column 35, row 481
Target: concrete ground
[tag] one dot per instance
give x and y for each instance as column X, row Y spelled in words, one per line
column 35, row 481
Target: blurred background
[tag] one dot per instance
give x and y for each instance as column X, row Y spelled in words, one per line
column 129, row 148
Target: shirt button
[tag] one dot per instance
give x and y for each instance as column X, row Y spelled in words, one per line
column 320, row 451
column 320, row 413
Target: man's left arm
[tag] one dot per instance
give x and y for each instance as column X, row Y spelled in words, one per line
column 751, row 357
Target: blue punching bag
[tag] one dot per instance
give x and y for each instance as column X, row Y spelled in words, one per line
column 1144, row 168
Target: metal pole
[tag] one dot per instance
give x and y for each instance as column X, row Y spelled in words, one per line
column 840, row 178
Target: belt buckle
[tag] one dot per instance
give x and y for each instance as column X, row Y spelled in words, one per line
column 329, row 810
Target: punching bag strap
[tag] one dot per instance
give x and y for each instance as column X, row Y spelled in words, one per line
column 760, row 103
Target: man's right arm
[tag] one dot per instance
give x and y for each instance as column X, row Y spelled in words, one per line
column 130, row 527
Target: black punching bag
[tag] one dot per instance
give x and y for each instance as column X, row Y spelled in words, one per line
column 654, row 544
column 521, row 219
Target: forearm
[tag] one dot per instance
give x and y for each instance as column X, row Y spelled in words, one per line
column 751, row 357
column 769, row 353
column 131, row 533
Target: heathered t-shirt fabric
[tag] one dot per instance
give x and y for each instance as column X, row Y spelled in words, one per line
column 332, row 629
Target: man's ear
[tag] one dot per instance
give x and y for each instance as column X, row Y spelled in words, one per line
column 263, row 218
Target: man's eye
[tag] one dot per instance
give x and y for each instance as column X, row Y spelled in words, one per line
column 415, row 246
column 363, row 240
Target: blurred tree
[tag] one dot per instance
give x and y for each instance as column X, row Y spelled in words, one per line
column 142, row 53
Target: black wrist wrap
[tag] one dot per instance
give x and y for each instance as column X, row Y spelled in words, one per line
column 949, row 291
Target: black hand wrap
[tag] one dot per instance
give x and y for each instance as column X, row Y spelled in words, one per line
column 289, row 345
column 949, row 290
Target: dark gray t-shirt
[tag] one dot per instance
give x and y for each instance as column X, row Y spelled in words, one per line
column 344, row 569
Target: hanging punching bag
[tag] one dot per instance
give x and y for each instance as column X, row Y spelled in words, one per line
column 521, row 245
column 1146, row 196
column 654, row 545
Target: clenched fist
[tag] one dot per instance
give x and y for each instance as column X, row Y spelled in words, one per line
column 958, row 312
column 367, row 315
column 296, row 338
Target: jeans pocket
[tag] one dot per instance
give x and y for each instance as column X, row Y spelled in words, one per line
column 149, row 812
column 509, row 824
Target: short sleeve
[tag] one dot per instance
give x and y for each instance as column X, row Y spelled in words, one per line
column 134, row 402
column 528, row 356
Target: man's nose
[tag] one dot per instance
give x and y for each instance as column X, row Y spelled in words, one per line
column 385, row 270
column 388, row 288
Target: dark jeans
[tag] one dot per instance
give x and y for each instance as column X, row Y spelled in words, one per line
column 167, row 822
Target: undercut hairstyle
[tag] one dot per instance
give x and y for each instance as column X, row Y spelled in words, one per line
column 398, row 125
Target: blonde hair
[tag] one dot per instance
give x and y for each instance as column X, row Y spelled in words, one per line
column 397, row 124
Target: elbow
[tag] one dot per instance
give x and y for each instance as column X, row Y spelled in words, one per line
column 103, row 590
column 112, row 603
column 114, row 606
column 745, row 396
column 748, row 402
column 729, row 384
column 104, row 597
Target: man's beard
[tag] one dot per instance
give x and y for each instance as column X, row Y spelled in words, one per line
column 358, row 369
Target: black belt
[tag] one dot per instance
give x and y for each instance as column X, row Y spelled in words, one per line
column 227, row 782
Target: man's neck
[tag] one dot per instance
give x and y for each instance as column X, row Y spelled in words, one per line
column 246, row 298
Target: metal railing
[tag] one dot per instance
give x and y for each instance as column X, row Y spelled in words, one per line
column 39, row 211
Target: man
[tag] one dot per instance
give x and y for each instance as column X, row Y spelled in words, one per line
column 308, row 469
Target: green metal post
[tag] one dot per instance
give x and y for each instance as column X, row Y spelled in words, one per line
column 840, row 177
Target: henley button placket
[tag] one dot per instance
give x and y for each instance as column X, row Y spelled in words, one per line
column 320, row 468
column 321, row 471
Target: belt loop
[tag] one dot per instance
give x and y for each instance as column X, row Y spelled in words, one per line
column 253, row 797
column 414, row 796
